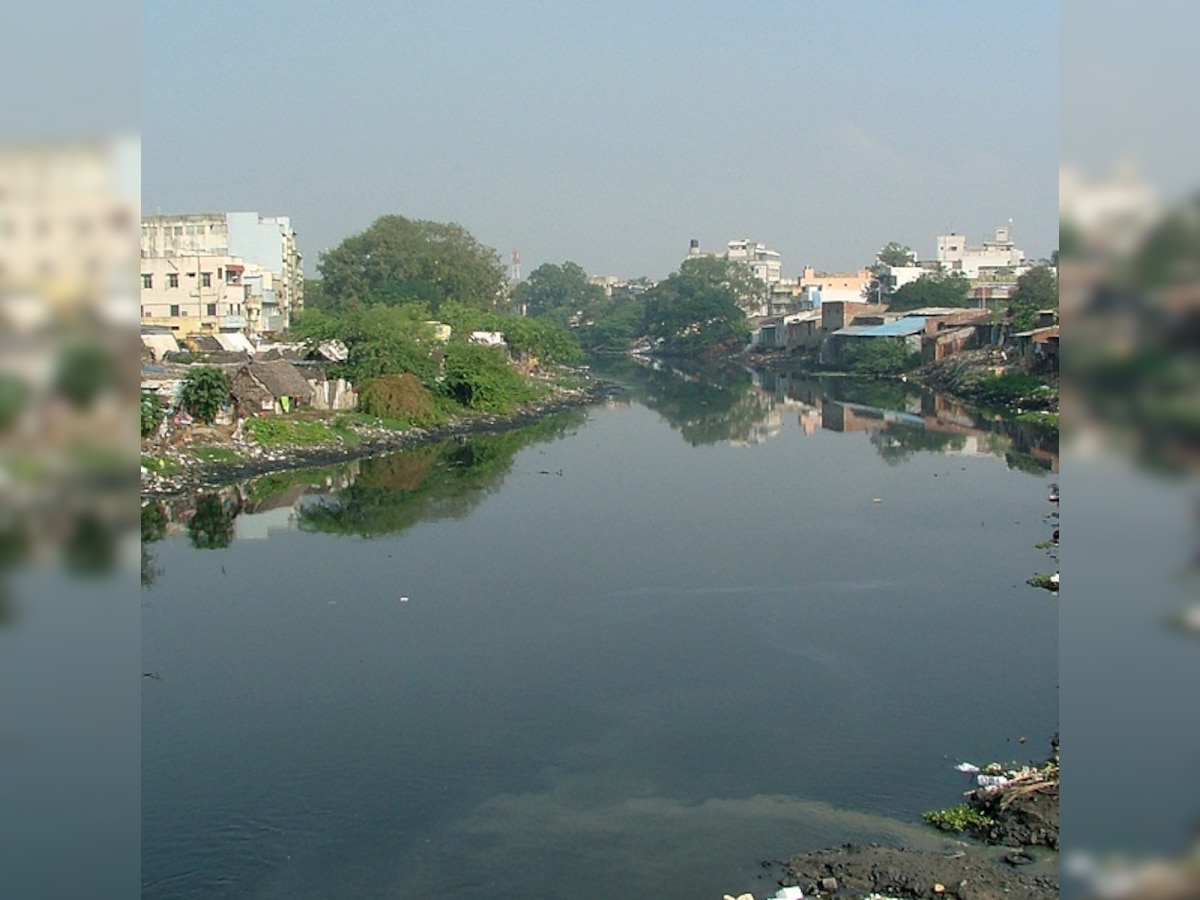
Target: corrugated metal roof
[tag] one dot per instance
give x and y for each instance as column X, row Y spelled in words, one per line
column 899, row 328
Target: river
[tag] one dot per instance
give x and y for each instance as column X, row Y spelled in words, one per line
column 638, row 648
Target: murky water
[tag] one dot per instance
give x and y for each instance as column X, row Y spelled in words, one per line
column 638, row 649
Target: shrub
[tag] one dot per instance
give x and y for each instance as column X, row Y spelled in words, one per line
column 480, row 378
column 12, row 400
column 399, row 397
column 84, row 371
column 957, row 818
column 152, row 412
column 205, row 390
column 879, row 356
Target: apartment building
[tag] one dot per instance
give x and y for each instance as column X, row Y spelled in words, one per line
column 247, row 261
column 198, row 294
column 954, row 254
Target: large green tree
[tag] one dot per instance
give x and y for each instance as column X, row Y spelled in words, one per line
column 557, row 292
column 933, row 289
column 895, row 254
column 399, row 260
column 1037, row 289
column 697, row 309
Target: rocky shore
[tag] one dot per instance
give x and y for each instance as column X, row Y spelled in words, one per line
column 189, row 470
column 1012, row 813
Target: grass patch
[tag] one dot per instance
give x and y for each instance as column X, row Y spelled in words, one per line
column 215, row 454
column 957, row 818
column 160, row 465
column 281, row 432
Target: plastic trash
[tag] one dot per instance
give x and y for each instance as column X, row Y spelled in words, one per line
column 790, row 893
column 990, row 780
column 969, row 768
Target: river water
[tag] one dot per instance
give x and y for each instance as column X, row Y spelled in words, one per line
column 638, row 648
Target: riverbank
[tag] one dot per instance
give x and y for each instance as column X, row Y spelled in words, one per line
column 192, row 457
column 985, row 378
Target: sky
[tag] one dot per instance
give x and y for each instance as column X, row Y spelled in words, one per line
column 611, row 134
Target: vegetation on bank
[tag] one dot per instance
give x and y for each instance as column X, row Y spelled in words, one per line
column 957, row 818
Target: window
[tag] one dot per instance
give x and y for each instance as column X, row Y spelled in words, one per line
column 147, row 281
column 212, row 309
column 145, row 313
column 172, row 279
column 206, row 279
column 175, row 309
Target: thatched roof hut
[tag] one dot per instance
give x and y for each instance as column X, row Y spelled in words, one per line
column 270, row 385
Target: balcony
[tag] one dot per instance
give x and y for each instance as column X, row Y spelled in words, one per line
column 233, row 322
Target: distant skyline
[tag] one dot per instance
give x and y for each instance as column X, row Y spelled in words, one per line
column 612, row 134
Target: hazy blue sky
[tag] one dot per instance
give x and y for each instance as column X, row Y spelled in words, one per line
column 611, row 133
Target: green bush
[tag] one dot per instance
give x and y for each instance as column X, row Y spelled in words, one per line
column 480, row 378
column 205, row 390
column 12, row 400
column 152, row 412
column 84, row 372
column 398, row 397
column 957, row 818
column 879, row 356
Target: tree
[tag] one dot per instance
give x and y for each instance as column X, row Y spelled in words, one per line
column 84, row 372
column 879, row 289
column 314, row 294
column 205, row 390
column 557, row 292
column 380, row 340
column 399, row 260
column 894, row 254
column 524, row 336
column 932, row 289
column 615, row 327
column 1037, row 289
column 697, row 309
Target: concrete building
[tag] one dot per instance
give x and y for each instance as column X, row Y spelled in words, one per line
column 954, row 254
column 767, row 265
column 67, row 222
column 264, row 246
column 819, row 288
column 198, row 294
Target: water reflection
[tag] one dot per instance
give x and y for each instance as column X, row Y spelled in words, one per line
column 705, row 404
column 744, row 408
column 365, row 498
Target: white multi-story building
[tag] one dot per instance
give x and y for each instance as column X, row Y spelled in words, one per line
column 954, row 254
column 271, row 273
column 767, row 265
